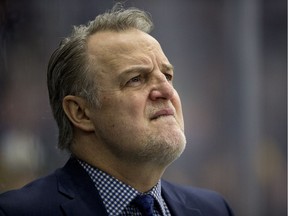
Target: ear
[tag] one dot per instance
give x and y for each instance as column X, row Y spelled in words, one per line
column 77, row 110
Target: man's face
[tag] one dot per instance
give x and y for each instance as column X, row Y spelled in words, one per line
column 140, row 118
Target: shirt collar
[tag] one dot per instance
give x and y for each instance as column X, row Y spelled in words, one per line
column 115, row 194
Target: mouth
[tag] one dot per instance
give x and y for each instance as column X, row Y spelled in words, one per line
column 163, row 113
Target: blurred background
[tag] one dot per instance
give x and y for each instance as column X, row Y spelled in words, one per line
column 230, row 64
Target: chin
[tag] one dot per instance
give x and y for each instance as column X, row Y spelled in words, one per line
column 175, row 151
column 167, row 149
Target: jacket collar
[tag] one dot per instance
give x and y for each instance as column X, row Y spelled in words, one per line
column 84, row 199
column 175, row 203
column 82, row 196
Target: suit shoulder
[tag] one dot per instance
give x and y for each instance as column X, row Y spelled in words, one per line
column 37, row 193
column 204, row 199
column 36, row 188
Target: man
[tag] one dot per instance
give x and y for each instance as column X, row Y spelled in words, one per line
column 111, row 93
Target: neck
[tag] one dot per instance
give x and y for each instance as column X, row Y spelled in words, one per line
column 143, row 178
column 140, row 175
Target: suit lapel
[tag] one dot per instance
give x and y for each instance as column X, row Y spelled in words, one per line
column 76, row 185
column 82, row 198
column 79, row 207
column 175, row 205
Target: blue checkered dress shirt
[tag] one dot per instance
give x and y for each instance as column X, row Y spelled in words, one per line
column 117, row 196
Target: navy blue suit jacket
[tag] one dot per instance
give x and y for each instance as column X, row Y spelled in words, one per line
column 70, row 191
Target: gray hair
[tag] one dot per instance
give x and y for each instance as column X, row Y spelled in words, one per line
column 69, row 70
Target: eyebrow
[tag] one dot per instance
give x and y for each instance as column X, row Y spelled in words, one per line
column 135, row 68
column 167, row 67
column 144, row 69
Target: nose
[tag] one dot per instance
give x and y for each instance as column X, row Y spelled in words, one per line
column 161, row 88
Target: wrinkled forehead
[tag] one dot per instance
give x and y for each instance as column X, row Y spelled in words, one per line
column 112, row 39
column 133, row 46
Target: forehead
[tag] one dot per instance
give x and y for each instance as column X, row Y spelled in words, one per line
column 130, row 47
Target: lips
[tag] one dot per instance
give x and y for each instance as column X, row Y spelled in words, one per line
column 163, row 112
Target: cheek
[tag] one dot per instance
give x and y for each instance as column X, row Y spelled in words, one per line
column 177, row 105
column 134, row 105
column 124, row 106
column 176, row 101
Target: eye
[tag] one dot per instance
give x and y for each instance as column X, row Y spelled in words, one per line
column 169, row 77
column 134, row 81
